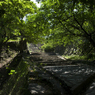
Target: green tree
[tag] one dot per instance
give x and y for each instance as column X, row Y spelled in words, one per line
column 11, row 18
column 70, row 21
column 38, row 27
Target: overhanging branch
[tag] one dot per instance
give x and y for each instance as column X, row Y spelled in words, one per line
column 88, row 36
column 71, row 33
column 81, row 26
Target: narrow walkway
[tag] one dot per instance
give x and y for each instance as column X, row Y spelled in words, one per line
column 51, row 75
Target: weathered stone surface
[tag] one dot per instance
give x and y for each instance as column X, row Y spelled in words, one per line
column 91, row 89
column 74, row 73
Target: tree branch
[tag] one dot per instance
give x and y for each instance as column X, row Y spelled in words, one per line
column 88, row 36
column 78, row 28
column 71, row 33
column 67, row 18
column 81, row 27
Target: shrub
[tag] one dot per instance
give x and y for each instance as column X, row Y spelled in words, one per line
column 49, row 49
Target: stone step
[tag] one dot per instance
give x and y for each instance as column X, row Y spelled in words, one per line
column 48, row 78
column 39, row 89
column 73, row 75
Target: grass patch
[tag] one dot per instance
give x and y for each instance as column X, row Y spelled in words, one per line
column 78, row 57
column 14, row 40
column 74, row 57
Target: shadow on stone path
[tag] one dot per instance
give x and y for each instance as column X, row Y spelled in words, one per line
column 49, row 68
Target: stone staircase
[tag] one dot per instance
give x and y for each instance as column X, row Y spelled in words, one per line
column 62, row 79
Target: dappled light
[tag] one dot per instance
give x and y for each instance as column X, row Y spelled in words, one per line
column 47, row 47
column 71, row 74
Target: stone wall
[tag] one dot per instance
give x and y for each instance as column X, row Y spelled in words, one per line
column 66, row 50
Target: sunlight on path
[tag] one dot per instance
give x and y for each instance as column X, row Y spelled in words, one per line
column 72, row 74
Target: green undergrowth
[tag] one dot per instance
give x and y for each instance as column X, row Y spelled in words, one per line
column 78, row 57
column 74, row 57
column 17, row 83
column 47, row 48
column 14, row 40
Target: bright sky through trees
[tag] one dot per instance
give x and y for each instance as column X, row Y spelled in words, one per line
column 38, row 5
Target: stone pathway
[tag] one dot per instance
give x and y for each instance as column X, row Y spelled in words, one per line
column 72, row 74
column 91, row 89
column 58, row 71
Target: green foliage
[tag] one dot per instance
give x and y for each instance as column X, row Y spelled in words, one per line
column 69, row 21
column 49, row 49
column 12, row 25
column 75, row 57
column 37, row 27
column 89, row 57
column 17, row 80
column 55, row 22
column 12, row 72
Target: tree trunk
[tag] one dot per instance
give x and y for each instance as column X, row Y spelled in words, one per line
column 22, row 45
column 92, row 42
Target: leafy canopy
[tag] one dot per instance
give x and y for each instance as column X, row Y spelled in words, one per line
column 69, row 21
column 11, row 18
